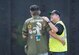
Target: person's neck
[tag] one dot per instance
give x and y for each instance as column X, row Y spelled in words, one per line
column 35, row 16
column 56, row 21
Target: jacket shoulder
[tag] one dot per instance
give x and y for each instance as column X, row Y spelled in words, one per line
column 28, row 20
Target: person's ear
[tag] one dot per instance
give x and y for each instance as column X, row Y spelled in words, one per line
column 39, row 12
column 30, row 11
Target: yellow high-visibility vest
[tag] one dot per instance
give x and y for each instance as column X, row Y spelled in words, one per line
column 57, row 46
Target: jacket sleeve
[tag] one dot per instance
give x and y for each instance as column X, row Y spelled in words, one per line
column 25, row 30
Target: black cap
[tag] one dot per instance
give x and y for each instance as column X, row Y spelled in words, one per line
column 55, row 12
column 34, row 8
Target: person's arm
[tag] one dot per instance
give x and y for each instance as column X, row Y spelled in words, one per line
column 54, row 30
column 25, row 30
column 52, row 26
column 59, row 32
column 53, row 34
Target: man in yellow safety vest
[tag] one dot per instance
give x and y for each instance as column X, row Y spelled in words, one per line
column 58, row 34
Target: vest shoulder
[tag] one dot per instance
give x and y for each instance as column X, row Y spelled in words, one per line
column 60, row 22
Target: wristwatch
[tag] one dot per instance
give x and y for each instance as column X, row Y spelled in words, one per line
column 49, row 21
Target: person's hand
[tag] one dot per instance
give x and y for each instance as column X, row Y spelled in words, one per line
column 46, row 19
column 63, row 41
